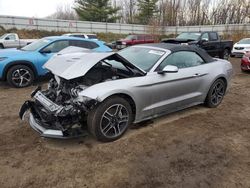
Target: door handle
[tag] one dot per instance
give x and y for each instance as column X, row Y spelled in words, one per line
column 199, row 75
column 196, row 75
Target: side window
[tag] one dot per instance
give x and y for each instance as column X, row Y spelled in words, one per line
column 205, row 37
column 92, row 36
column 213, row 36
column 84, row 44
column 148, row 37
column 80, row 36
column 140, row 37
column 12, row 37
column 135, row 37
column 57, row 46
column 182, row 59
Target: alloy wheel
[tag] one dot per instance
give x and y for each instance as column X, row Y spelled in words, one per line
column 226, row 54
column 114, row 121
column 21, row 77
column 218, row 92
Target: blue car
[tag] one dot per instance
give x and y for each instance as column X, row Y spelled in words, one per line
column 20, row 67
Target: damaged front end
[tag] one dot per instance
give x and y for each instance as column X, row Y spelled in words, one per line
column 61, row 111
column 58, row 112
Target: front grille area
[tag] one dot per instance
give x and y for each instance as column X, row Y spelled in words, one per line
column 238, row 48
column 118, row 42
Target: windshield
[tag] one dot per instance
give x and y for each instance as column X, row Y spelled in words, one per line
column 191, row 36
column 36, row 45
column 244, row 41
column 3, row 36
column 144, row 58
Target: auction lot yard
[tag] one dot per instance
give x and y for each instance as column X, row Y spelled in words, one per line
column 197, row 147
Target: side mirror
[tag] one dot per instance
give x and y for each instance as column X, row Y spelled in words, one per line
column 7, row 38
column 203, row 41
column 169, row 69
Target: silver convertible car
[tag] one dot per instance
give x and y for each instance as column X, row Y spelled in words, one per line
column 104, row 93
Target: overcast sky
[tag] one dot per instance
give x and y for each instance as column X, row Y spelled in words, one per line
column 31, row 8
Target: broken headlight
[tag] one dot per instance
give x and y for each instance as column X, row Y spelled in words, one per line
column 75, row 91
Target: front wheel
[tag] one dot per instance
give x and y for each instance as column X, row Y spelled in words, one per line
column 110, row 120
column 20, row 76
column 215, row 93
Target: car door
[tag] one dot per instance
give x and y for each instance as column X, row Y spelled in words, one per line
column 206, row 44
column 172, row 91
column 215, row 44
column 11, row 41
column 212, row 45
column 149, row 39
column 140, row 39
column 47, row 52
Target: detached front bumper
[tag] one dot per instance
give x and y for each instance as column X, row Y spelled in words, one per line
column 48, row 133
column 51, row 120
column 36, row 124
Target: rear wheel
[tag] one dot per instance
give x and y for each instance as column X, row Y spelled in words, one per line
column 226, row 54
column 215, row 93
column 20, row 76
column 1, row 46
column 110, row 120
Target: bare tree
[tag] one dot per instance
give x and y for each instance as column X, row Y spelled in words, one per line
column 64, row 12
column 177, row 12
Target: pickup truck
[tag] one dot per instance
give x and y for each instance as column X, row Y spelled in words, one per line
column 209, row 41
column 133, row 40
column 11, row 40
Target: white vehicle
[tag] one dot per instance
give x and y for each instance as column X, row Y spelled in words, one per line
column 82, row 35
column 241, row 47
column 11, row 40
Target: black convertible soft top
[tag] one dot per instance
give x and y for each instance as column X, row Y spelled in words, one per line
column 178, row 47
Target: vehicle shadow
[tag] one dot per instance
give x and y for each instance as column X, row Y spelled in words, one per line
column 89, row 142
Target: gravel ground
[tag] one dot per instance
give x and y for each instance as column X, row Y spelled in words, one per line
column 196, row 147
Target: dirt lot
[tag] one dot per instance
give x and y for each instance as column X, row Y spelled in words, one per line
column 197, row 147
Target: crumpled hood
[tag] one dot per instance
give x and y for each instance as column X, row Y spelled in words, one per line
column 75, row 64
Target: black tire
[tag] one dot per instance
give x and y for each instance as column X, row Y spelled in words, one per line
column 216, row 93
column 105, row 124
column 1, row 46
column 20, row 76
